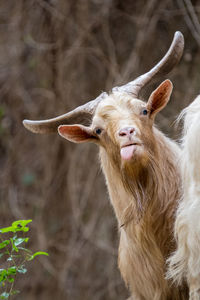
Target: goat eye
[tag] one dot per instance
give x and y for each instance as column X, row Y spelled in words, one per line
column 145, row 112
column 98, row 131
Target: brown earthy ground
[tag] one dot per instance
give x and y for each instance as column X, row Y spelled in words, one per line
column 55, row 55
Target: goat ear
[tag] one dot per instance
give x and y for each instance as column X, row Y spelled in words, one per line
column 76, row 133
column 159, row 98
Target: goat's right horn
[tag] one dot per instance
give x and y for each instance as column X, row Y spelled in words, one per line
column 163, row 67
column 78, row 115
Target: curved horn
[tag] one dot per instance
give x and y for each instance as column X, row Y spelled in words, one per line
column 85, row 112
column 164, row 66
column 78, row 115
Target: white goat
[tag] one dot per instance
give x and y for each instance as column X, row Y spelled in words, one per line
column 185, row 263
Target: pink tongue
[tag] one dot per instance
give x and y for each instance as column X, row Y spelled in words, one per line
column 127, row 152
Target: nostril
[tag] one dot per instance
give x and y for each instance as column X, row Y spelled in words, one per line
column 122, row 133
column 131, row 130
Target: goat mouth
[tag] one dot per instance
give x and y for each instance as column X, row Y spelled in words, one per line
column 128, row 150
column 130, row 144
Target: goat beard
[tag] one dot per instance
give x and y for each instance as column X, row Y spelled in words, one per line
column 139, row 178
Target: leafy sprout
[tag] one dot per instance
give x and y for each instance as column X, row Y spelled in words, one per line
column 15, row 255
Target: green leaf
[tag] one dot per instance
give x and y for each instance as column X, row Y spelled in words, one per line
column 19, row 225
column 21, row 269
column 11, row 279
column 12, row 271
column 6, row 274
column 38, row 253
column 4, row 295
column 19, row 241
column 7, row 229
column 4, row 244
column 1, row 270
column 3, row 275
column 13, row 245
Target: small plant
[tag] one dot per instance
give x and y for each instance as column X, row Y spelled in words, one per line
column 14, row 255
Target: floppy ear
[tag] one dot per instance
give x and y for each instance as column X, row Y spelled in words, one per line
column 159, row 98
column 77, row 133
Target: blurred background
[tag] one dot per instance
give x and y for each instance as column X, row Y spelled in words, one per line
column 54, row 56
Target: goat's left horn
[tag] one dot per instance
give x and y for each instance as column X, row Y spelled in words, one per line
column 80, row 114
column 163, row 67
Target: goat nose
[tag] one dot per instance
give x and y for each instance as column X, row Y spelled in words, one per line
column 127, row 131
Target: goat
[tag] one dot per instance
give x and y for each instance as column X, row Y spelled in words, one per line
column 184, row 264
column 140, row 165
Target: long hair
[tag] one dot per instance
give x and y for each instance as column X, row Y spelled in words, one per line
column 184, row 264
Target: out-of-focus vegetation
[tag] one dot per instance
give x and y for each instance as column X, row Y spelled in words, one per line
column 55, row 55
column 14, row 255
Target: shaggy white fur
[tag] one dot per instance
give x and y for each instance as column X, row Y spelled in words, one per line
column 184, row 265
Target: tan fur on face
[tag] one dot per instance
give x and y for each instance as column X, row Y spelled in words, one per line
column 118, row 111
column 144, row 193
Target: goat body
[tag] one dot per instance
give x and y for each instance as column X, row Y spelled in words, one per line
column 141, row 170
column 145, row 198
column 185, row 263
column 146, row 236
